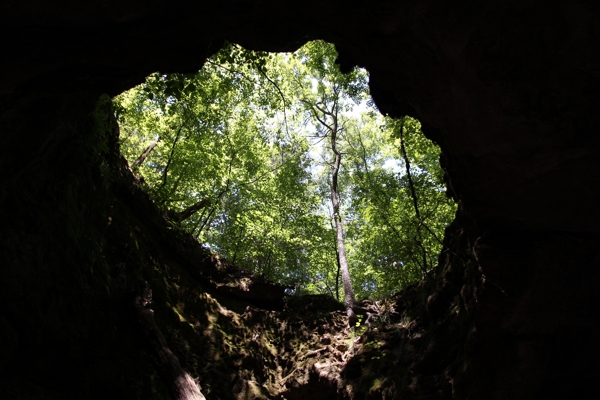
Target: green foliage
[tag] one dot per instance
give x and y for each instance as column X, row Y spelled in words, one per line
column 241, row 140
column 388, row 250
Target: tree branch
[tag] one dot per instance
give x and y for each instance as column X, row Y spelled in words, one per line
column 282, row 98
column 188, row 212
column 145, row 153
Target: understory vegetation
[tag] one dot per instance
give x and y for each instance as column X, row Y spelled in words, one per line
column 251, row 153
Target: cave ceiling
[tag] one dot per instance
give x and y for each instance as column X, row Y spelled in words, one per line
column 506, row 88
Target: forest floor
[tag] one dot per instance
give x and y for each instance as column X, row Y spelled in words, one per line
column 304, row 350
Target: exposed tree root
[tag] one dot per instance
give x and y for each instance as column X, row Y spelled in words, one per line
column 182, row 386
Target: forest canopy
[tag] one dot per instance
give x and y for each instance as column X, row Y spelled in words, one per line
column 243, row 156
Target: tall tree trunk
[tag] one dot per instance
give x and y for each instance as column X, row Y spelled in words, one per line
column 349, row 300
column 337, row 276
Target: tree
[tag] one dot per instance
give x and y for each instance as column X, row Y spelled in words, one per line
column 325, row 103
column 396, row 247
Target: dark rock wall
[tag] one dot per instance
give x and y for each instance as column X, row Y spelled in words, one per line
column 508, row 89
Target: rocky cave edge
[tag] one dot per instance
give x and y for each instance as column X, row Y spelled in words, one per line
column 509, row 90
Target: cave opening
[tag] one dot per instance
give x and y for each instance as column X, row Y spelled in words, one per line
column 239, row 155
column 508, row 90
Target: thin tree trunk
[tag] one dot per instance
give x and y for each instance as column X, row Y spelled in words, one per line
column 214, row 208
column 337, row 273
column 413, row 195
column 349, row 300
column 166, row 170
column 208, row 220
column 383, row 215
column 145, row 154
column 337, row 276
column 412, row 188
